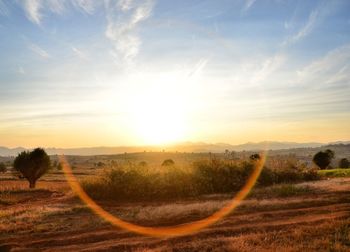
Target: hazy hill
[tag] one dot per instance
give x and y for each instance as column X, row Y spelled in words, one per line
column 182, row 147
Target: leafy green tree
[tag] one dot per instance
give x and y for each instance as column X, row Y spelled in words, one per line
column 32, row 165
column 3, row 168
column 323, row 158
column 344, row 163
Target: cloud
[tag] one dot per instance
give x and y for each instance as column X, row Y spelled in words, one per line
column 4, row 11
column 122, row 21
column 88, row 6
column 305, row 30
column 32, row 9
column 197, row 69
column 56, row 6
column 21, row 70
column 125, row 5
column 330, row 69
column 248, row 4
column 35, row 9
column 41, row 52
column 268, row 66
column 316, row 16
column 79, row 53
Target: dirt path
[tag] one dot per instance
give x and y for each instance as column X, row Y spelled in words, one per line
column 316, row 222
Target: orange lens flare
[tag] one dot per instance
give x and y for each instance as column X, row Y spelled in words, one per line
column 177, row 230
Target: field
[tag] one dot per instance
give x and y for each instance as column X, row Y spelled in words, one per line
column 307, row 216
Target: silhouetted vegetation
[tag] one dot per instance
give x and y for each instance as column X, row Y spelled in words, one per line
column 168, row 162
column 344, row 163
column 3, row 168
column 255, row 157
column 32, row 165
column 323, row 158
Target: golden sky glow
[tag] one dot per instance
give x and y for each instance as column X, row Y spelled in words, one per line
column 148, row 72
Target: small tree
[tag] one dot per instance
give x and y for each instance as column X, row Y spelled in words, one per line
column 3, row 168
column 59, row 166
column 168, row 162
column 344, row 163
column 32, row 165
column 255, row 157
column 323, row 158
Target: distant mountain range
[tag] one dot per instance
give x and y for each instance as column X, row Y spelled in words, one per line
column 182, row 147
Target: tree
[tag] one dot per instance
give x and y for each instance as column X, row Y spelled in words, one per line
column 323, row 158
column 344, row 163
column 3, row 168
column 168, row 162
column 32, row 165
column 255, row 157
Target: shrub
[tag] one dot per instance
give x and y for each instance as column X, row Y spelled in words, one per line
column 344, row 163
column 3, row 168
column 168, row 162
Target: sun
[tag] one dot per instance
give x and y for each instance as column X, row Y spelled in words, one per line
column 158, row 113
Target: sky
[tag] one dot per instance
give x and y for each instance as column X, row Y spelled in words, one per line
column 79, row 73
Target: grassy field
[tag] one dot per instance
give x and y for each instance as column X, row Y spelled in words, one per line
column 310, row 216
column 335, row 173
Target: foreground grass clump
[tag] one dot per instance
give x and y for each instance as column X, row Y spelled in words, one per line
column 335, row 173
column 204, row 177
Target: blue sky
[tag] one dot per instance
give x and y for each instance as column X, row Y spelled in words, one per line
column 87, row 73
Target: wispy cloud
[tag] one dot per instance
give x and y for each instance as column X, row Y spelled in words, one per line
column 329, row 69
column 4, row 11
column 314, row 19
column 35, row 9
column 247, row 5
column 32, row 9
column 268, row 66
column 305, row 29
column 57, row 6
column 88, row 6
column 197, row 69
column 122, row 21
column 21, row 70
column 39, row 51
column 79, row 53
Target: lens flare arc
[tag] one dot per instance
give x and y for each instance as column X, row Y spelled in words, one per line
column 177, row 230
